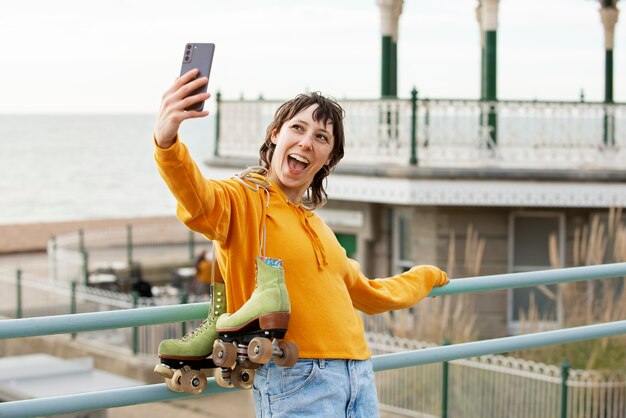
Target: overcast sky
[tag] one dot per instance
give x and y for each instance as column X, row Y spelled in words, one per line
column 119, row 56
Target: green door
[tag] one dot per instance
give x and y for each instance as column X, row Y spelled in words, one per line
column 348, row 242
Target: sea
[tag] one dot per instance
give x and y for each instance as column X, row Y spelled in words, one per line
column 76, row 166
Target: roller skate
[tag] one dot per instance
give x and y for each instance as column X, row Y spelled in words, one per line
column 182, row 360
column 253, row 335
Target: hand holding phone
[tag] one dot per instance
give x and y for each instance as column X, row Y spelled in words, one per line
column 200, row 56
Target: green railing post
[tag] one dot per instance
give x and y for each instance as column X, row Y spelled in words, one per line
column 135, row 342
column 413, row 159
column 426, row 123
column 564, row 376
column 54, row 266
column 18, row 279
column 85, row 269
column 129, row 245
column 73, row 302
column 192, row 245
column 184, row 298
column 81, row 240
column 218, row 114
column 444, row 386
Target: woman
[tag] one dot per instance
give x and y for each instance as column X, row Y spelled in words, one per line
column 304, row 142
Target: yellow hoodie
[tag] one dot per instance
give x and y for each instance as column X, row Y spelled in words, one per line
column 324, row 285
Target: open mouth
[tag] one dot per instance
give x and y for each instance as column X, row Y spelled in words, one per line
column 297, row 162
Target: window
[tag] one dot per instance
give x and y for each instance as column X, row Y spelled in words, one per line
column 529, row 250
column 402, row 241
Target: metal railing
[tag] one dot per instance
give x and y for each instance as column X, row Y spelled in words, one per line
column 445, row 132
column 158, row 315
column 37, row 296
column 72, row 257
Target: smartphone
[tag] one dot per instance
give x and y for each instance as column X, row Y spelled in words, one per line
column 200, row 56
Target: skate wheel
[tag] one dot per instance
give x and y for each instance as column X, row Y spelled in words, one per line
column 289, row 356
column 193, row 382
column 164, row 371
column 260, row 350
column 242, row 378
column 220, row 380
column 174, row 383
column 224, row 354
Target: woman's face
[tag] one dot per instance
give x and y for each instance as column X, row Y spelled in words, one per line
column 303, row 147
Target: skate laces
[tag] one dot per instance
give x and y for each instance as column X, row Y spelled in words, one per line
column 192, row 334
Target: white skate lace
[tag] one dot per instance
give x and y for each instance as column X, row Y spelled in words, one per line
column 192, row 334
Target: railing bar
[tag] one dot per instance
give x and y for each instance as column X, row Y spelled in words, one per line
column 154, row 393
column 62, row 324
column 530, row 278
column 99, row 400
column 94, row 321
column 497, row 345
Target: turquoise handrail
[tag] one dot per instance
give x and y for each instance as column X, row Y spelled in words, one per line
column 62, row 324
column 159, row 392
column 164, row 314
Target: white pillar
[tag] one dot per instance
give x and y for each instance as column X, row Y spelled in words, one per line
column 489, row 14
column 390, row 11
column 609, row 16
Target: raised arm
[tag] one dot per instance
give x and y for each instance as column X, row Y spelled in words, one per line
column 203, row 205
column 173, row 104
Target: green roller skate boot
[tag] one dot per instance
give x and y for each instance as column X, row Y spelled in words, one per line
column 253, row 335
column 181, row 360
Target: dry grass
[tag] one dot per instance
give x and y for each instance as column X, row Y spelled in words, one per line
column 451, row 318
column 588, row 302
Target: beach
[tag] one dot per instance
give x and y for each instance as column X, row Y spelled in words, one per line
column 33, row 237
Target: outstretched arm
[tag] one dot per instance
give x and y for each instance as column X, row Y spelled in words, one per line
column 397, row 292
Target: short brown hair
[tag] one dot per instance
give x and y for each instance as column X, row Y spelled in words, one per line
column 328, row 110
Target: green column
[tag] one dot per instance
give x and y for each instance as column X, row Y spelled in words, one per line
column 609, row 16
column 608, row 76
column 489, row 79
column 609, row 126
column 390, row 11
column 393, row 65
column 490, row 58
column 487, row 16
column 386, row 67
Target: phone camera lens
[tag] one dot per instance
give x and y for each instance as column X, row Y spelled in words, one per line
column 186, row 59
column 188, row 46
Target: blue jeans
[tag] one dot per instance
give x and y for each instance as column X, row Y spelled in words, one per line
column 316, row 388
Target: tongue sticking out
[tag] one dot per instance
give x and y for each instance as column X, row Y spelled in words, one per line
column 296, row 165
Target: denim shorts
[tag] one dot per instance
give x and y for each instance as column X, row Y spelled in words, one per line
column 316, row 388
